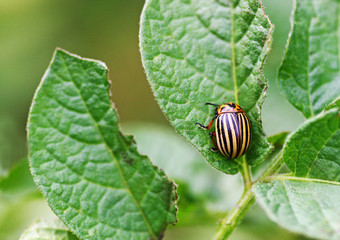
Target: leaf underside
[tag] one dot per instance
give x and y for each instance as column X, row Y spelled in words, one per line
column 310, row 72
column 92, row 176
column 313, row 151
column 202, row 51
column 47, row 230
column 278, row 139
column 311, row 208
column 308, row 201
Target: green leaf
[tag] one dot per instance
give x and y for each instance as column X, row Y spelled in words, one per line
column 278, row 139
column 92, row 176
column 310, row 72
column 202, row 51
column 306, row 206
column 48, row 230
column 313, row 150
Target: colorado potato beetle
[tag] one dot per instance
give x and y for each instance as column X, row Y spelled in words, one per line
column 232, row 130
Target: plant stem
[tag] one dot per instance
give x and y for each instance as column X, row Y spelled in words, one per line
column 234, row 217
column 246, row 175
column 228, row 224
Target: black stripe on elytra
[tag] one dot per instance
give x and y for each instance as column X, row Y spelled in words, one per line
column 230, row 137
column 218, row 135
column 247, row 131
column 221, row 132
column 239, row 119
column 244, row 139
column 244, row 133
column 233, row 118
column 249, row 134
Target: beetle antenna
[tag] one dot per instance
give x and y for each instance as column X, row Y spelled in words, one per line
column 216, row 105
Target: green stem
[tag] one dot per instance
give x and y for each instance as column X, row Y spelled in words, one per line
column 234, row 217
column 228, row 224
column 246, row 174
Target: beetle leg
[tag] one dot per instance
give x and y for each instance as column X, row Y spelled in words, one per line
column 216, row 105
column 209, row 125
column 212, row 135
column 214, row 149
column 213, row 104
column 202, row 126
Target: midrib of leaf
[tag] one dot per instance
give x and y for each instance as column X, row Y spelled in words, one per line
column 112, row 155
column 233, row 64
column 307, row 74
column 244, row 165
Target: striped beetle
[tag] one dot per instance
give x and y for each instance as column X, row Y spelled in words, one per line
column 232, row 130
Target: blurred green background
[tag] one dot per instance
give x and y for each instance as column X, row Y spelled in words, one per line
column 30, row 30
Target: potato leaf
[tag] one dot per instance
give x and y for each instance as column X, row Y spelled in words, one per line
column 91, row 175
column 202, row 51
column 310, row 72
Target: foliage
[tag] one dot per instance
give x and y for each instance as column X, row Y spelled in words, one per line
column 193, row 52
column 190, row 57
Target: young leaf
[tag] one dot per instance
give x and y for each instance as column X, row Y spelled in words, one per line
column 92, row 176
column 310, row 207
column 313, row 150
column 278, row 139
column 310, row 72
column 51, row 230
column 202, row 51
